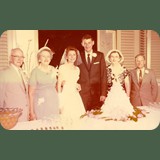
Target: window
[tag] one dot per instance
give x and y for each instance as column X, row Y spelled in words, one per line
column 3, row 51
column 128, row 44
column 155, row 52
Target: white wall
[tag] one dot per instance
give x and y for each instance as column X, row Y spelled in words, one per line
column 27, row 40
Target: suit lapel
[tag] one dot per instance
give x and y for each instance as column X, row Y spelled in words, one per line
column 145, row 76
column 135, row 78
column 18, row 78
column 24, row 81
column 93, row 60
column 84, row 60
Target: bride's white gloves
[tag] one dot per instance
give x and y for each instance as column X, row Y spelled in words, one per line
column 78, row 87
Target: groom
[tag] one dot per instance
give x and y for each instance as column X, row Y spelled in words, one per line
column 92, row 75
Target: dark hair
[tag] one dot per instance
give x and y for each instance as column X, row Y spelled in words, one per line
column 142, row 55
column 71, row 48
column 87, row 36
column 115, row 52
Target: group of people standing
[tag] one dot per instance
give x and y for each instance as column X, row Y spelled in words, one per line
column 81, row 83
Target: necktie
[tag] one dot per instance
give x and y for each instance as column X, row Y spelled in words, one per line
column 23, row 79
column 89, row 61
column 140, row 77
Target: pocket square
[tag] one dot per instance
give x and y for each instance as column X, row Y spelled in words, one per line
column 96, row 63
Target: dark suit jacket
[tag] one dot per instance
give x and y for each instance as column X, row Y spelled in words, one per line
column 147, row 92
column 93, row 82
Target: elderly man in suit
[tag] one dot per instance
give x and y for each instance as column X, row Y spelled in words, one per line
column 13, row 85
column 144, row 87
column 92, row 75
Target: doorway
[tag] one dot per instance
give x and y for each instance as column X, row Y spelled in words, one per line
column 58, row 40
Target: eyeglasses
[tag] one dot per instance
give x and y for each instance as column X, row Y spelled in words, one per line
column 18, row 56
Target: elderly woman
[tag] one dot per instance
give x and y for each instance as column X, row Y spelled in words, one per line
column 116, row 71
column 117, row 105
column 42, row 92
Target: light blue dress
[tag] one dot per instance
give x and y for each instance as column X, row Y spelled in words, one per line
column 46, row 98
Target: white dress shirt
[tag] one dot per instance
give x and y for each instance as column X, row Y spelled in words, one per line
column 138, row 72
column 86, row 56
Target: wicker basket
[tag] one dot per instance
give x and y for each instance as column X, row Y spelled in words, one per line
column 9, row 117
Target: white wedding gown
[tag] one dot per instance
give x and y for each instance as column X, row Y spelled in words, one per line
column 71, row 104
column 117, row 105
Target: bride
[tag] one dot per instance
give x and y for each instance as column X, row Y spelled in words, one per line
column 71, row 105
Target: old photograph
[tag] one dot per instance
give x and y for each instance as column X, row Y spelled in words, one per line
column 80, row 79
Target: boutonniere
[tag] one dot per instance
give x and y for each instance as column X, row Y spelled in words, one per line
column 146, row 71
column 94, row 55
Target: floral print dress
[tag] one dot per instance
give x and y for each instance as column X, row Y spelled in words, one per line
column 117, row 105
column 121, row 77
column 46, row 100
